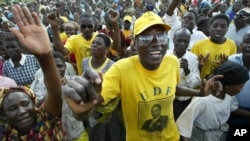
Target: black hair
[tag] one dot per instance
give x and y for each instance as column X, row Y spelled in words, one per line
column 86, row 16
column 233, row 73
column 220, row 16
column 202, row 22
column 106, row 39
column 59, row 55
column 157, row 105
column 195, row 14
column 9, row 36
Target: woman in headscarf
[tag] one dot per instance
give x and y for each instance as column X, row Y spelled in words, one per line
column 23, row 121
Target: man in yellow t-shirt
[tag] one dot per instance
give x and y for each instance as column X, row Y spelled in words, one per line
column 127, row 22
column 142, row 82
column 214, row 51
column 79, row 44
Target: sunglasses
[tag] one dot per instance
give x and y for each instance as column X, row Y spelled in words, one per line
column 144, row 40
column 242, row 15
column 87, row 26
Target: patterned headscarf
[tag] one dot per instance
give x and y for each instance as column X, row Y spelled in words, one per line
column 5, row 91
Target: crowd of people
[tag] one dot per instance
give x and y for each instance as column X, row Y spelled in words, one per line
column 122, row 70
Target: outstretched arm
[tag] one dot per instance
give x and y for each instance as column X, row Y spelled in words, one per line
column 82, row 94
column 208, row 86
column 33, row 37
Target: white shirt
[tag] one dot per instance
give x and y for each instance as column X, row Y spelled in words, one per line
column 175, row 24
column 206, row 113
column 193, row 79
column 237, row 36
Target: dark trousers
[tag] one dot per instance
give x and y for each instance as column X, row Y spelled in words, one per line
column 179, row 107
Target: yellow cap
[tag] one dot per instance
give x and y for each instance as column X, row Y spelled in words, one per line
column 64, row 18
column 127, row 18
column 147, row 20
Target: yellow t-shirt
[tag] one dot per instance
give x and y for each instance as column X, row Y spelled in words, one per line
column 139, row 90
column 127, row 32
column 63, row 36
column 80, row 47
column 207, row 46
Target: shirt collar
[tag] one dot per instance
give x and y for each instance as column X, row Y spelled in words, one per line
column 22, row 61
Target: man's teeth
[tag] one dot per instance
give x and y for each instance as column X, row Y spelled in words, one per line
column 154, row 53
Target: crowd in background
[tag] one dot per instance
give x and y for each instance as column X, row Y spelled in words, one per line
column 96, row 34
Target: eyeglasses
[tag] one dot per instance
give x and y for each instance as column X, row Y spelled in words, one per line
column 144, row 40
column 87, row 26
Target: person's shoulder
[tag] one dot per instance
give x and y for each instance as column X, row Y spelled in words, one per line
column 111, row 61
column 231, row 27
column 230, row 40
column 75, row 37
column 7, row 62
column 170, row 56
column 95, row 33
column 30, row 55
column 190, row 55
column 128, row 60
column 235, row 57
column 202, row 41
column 86, row 59
column 7, row 82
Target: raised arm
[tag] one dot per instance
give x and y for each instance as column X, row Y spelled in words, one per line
column 114, row 16
column 33, row 37
column 171, row 7
column 53, row 19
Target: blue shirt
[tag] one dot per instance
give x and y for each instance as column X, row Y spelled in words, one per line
column 243, row 96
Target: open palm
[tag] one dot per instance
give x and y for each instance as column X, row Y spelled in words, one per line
column 31, row 35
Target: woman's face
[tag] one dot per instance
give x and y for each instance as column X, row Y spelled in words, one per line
column 234, row 89
column 69, row 31
column 61, row 66
column 12, row 49
column 98, row 47
column 19, row 111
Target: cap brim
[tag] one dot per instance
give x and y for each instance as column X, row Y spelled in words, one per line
column 167, row 27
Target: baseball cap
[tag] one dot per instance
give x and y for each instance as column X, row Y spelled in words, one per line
column 147, row 20
column 127, row 18
column 243, row 13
